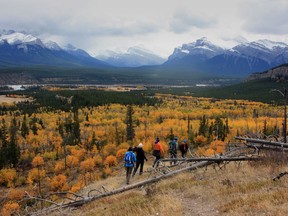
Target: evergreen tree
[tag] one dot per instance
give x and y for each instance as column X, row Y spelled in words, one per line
column 3, row 144
column 33, row 125
column 190, row 132
column 219, row 128
column 76, row 129
column 129, row 124
column 60, row 127
column 203, row 128
column 117, row 138
column 171, row 134
column 13, row 149
column 24, row 127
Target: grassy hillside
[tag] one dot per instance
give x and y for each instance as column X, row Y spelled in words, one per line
column 236, row 189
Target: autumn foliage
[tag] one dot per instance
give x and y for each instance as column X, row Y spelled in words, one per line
column 62, row 150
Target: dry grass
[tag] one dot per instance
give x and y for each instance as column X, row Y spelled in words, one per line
column 238, row 189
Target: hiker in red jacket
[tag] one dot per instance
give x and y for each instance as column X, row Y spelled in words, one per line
column 157, row 151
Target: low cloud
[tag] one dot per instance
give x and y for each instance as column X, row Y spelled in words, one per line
column 269, row 17
column 184, row 22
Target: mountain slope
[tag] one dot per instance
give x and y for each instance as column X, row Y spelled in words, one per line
column 133, row 57
column 238, row 61
column 19, row 49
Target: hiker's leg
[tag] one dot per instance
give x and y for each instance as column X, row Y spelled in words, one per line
column 175, row 157
column 157, row 158
column 127, row 175
column 136, row 168
column 154, row 162
column 141, row 167
column 129, row 171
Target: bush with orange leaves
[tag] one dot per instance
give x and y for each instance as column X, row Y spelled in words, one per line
column 98, row 160
column 59, row 183
column 75, row 188
column 218, row 146
column 78, row 153
column 209, row 152
column 107, row 171
column 59, row 167
column 38, row 161
column 200, row 140
column 35, row 175
column 8, row 176
column 110, row 161
column 10, row 208
column 87, row 165
column 109, row 149
column 16, row 194
column 72, row 161
column 120, row 154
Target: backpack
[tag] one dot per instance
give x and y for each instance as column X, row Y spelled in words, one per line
column 172, row 146
column 128, row 158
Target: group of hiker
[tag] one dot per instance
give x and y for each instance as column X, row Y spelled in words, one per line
column 131, row 159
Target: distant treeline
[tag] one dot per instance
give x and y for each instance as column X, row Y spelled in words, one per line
column 263, row 90
column 72, row 99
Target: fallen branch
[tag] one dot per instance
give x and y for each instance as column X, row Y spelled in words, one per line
column 216, row 160
column 126, row 188
column 280, row 176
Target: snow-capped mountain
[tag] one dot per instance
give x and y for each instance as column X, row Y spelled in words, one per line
column 20, row 48
column 240, row 60
column 134, row 57
column 202, row 48
column 200, row 57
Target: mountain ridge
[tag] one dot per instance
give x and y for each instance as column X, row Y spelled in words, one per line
column 240, row 60
column 200, row 59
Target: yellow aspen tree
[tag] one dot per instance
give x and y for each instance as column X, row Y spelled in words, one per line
column 38, row 162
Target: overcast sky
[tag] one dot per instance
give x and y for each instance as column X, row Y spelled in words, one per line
column 157, row 25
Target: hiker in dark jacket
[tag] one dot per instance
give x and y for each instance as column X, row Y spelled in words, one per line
column 183, row 147
column 173, row 145
column 140, row 156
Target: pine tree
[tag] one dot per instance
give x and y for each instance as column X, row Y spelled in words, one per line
column 24, row 127
column 33, row 125
column 13, row 149
column 117, row 138
column 76, row 129
column 203, row 128
column 171, row 134
column 3, row 144
column 129, row 124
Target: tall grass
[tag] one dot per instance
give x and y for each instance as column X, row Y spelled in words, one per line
column 237, row 189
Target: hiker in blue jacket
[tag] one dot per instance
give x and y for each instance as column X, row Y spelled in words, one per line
column 129, row 160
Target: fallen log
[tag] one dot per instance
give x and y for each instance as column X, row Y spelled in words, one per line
column 126, row 188
column 261, row 141
column 220, row 159
column 270, row 148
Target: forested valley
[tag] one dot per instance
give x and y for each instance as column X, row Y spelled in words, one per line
column 65, row 140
